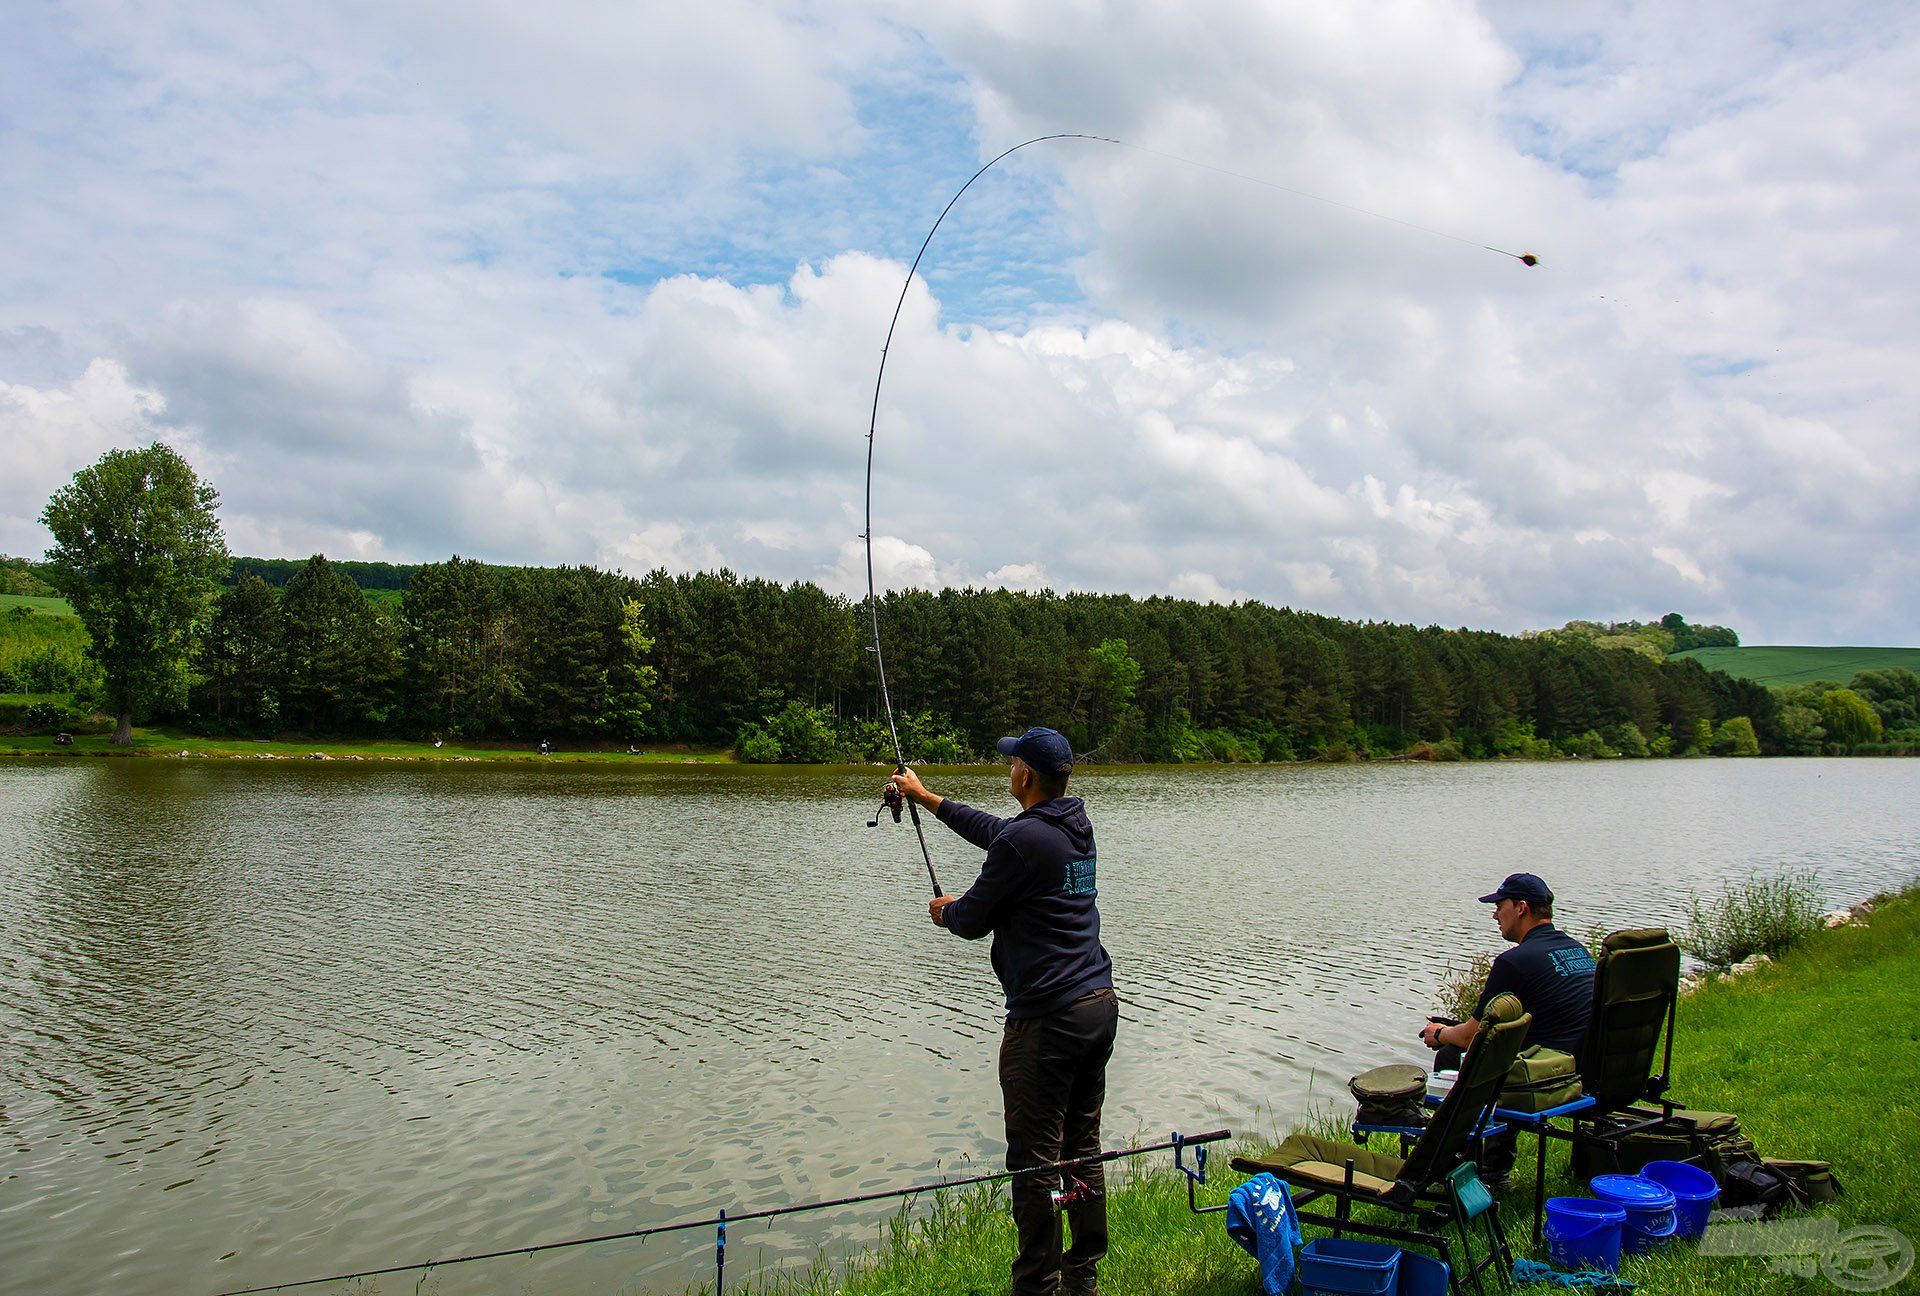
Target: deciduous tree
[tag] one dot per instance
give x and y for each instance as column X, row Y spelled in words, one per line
column 138, row 552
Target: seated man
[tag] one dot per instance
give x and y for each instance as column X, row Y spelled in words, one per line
column 1547, row 970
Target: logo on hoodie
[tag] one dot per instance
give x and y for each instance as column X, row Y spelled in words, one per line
column 1079, row 878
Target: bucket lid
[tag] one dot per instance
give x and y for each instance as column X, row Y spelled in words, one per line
column 1605, row 1212
column 1635, row 1191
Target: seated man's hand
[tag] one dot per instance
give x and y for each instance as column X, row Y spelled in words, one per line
column 937, row 909
column 1430, row 1034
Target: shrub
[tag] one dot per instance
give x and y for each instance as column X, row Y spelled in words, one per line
column 1756, row 915
column 757, row 747
column 1516, row 738
column 1735, row 737
column 1626, row 739
column 1461, row 983
column 1589, row 744
column 932, row 739
column 797, row 733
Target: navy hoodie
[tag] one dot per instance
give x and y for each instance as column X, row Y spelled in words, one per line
column 1035, row 894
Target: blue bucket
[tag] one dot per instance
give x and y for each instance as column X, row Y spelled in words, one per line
column 1649, row 1207
column 1422, row 1275
column 1694, row 1194
column 1584, row 1234
column 1344, row 1267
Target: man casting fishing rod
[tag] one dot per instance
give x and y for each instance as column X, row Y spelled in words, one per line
column 1035, row 894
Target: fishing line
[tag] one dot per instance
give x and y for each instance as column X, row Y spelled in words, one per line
column 873, row 417
column 1524, row 258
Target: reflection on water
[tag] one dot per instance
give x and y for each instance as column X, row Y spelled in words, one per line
column 264, row 1021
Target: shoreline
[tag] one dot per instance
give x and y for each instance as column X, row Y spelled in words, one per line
column 149, row 745
column 1782, row 1047
column 164, row 745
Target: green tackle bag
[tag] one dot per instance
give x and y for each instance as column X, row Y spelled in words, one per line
column 1809, row 1183
column 1718, row 1143
column 1540, row 1078
column 1711, row 1140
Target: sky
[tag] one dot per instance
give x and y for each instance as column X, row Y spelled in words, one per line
column 608, row 283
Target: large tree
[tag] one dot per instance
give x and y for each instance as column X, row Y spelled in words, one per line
column 137, row 551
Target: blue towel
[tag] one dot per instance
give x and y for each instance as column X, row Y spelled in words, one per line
column 1260, row 1218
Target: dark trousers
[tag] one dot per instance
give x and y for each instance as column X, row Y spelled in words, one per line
column 1053, row 1078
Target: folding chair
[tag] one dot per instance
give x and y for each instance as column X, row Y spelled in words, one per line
column 1636, row 994
column 1416, row 1187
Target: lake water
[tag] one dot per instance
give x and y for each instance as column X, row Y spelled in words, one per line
column 265, row 1021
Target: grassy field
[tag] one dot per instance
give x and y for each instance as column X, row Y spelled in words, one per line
column 1789, row 665
column 46, row 606
column 60, row 607
column 1819, row 1055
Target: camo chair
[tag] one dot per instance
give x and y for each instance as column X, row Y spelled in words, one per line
column 1636, row 992
column 1427, row 1188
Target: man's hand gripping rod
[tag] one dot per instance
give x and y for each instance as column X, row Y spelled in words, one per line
column 892, row 800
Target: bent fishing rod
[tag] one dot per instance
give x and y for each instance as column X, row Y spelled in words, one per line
column 1175, row 1144
column 893, row 799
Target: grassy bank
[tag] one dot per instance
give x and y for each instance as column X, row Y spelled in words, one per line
column 1819, row 1054
column 159, row 743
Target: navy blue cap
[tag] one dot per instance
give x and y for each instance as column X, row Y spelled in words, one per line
column 1046, row 750
column 1521, row 886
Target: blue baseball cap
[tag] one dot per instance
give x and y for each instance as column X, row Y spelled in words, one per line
column 1521, row 886
column 1046, row 750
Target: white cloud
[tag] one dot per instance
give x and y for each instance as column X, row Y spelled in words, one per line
column 1204, row 587
column 358, row 274
column 1017, row 576
column 48, row 435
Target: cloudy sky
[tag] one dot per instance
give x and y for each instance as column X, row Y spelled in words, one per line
column 607, row 283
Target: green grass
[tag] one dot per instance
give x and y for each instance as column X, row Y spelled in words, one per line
column 43, row 649
column 44, row 604
column 1789, row 665
column 156, row 742
column 1819, row 1054
column 55, row 606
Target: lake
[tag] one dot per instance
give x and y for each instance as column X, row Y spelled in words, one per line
column 270, row 1020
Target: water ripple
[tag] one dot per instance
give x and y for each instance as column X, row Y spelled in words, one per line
column 263, row 1021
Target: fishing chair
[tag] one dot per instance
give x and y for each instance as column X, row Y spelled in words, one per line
column 1636, row 994
column 1435, row 1186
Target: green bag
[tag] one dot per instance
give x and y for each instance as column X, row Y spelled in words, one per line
column 1711, row 1140
column 1718, row 1142
column 1540, row 1078
column 1810, row 1183
column 1390, row 1095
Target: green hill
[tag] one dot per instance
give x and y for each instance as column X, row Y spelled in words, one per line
column 1785, row 664
column 45, row 605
